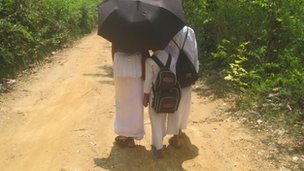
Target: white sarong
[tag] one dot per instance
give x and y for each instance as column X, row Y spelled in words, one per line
column 129, row 118
column 129, row 115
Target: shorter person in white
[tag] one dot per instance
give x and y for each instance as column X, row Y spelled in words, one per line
column 158, row 120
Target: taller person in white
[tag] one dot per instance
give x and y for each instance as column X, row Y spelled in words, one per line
column 128, row 72
column 178, row 120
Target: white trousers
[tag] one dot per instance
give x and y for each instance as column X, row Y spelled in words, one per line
column 158, row 127
column 179, row 119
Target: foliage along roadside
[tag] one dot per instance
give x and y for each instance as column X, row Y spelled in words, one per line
column 32, row 29
column 254, row 48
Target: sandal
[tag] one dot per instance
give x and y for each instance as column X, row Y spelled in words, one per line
column 121, row 141
column 130, row 142
column 175, row 143
column 125, row 141
column 158, row 153
column 181, row 134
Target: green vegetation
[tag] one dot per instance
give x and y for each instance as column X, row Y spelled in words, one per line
column 32, row 29
column 254, row 47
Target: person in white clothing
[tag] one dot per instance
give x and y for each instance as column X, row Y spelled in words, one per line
column 178, row 120
column 128, row 82
column 158, row 120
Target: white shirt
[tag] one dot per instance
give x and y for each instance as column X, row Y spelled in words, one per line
column 127, row 65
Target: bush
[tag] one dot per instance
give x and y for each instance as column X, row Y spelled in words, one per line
column 256, row 48
column 32, row 29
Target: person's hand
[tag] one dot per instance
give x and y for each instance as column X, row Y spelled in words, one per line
column 146, row 100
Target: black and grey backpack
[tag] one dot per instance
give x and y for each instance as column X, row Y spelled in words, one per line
column 166, row 89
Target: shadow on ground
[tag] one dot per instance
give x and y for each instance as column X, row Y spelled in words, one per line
column 107, row 73
column 107, row 69
column 140, row 158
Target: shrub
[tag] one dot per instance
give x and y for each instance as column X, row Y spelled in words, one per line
column 31, row 29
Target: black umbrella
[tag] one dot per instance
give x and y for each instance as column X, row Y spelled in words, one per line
column 135, row 25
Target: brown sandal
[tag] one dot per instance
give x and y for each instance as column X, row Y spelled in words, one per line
column 130, row 142
column 158, row 153
column 125, row 141
column 175, row 143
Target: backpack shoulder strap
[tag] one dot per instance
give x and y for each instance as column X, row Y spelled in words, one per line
column 183, row 42
column 168, row 63
column 160, row 64
column 185, row 38
column 157, row 61
column 176, row 44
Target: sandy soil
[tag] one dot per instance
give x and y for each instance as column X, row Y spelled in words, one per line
column 61, row 118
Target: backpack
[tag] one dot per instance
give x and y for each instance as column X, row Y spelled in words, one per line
column 166, row 89
column 185, row 71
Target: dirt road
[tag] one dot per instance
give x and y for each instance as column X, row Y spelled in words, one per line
column 60, row 118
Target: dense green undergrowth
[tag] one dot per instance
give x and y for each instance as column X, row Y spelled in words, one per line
column 254, row 49
column 32, row 29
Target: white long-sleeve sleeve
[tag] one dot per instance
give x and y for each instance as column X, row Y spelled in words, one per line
column 149, row 76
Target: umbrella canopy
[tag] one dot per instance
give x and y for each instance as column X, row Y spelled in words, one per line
column 135, row 25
